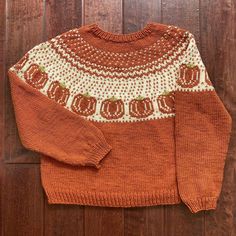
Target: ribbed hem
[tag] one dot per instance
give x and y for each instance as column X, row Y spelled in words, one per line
column 97, row 153
column 113, row 199
column 204, row 203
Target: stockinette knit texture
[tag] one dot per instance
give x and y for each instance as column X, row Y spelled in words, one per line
column 122, row 120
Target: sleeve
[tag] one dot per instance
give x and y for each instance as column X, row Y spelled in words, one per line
column 202, row 133
column 44, row 122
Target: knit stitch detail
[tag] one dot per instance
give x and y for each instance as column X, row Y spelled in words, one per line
column 133, row 199
column 97, row 153
column 143, row 102
column 97, row 30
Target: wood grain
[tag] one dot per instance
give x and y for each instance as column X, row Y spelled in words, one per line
column 146, row 221
column 63, row 220
column 23, row 31
column 61, row 16
column 138, row 13
column 23, row 200
column 101, row 221
column 2, row 96
column 184, row 14
column 218, row 20
column 106, row 13
column 180, row 221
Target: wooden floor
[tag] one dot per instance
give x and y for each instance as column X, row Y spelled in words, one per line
column 25, row 23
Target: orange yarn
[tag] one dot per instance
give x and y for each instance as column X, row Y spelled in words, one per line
column 108, row 135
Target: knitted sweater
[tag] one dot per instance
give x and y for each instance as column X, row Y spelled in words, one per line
column 122, row 120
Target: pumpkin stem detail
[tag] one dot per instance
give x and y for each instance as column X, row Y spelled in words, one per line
column 140, row 97
column 86, row 94
column 42, row 68
column 113, row 98
column 165, row 92
column 62, row 84
column 190, row 65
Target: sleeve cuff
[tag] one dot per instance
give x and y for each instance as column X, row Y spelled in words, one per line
column 97, row 153
column 204, row 203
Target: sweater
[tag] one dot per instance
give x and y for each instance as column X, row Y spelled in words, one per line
column 122, row 120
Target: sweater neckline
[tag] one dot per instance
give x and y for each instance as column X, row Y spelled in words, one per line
column 94, row 35
column 96, row 29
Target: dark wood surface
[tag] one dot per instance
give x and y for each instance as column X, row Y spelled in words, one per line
column 24, row 209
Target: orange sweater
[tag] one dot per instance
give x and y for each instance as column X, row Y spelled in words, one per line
column 122, row 120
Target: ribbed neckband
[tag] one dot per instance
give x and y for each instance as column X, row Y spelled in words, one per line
column 98, row 31
column 107, row 41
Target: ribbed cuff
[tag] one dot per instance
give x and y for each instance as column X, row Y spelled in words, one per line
column 97, row 153
column 199, row 204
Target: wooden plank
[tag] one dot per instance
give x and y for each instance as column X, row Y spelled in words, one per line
column 222, row 221
column 135, row 221
column 2, row 75
column 180, row 221
column 178, row 218
column 22, row 200
column 103, row 221
column 23, row 31
column 2, row 45
column 61, row 16
column 64, row 220
column 108, row 14
column 218, row 39
column 144, row 220
column 182, row 13
column 138, row 13
column 218, row 46
column 155, row 220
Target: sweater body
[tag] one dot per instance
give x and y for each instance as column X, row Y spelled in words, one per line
column 138, row 171
column 122, row 120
